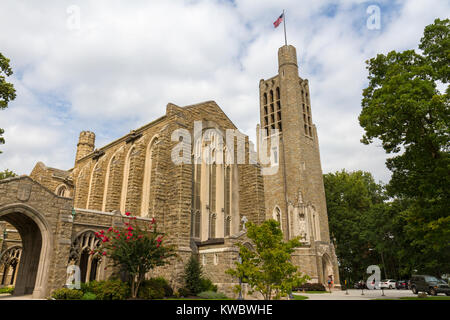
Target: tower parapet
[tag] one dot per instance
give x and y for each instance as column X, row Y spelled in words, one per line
column 86, row 144
column 287, row 55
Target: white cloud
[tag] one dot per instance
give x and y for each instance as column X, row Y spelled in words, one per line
column 129, row 59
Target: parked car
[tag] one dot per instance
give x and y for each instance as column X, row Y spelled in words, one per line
column 387, row 284
column 429, row 284
column 402, row 284
column 360, row 285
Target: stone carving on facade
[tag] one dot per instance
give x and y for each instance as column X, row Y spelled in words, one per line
column 24, row 191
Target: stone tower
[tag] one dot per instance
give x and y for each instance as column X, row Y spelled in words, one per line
column 86, row 144
column 295, row 194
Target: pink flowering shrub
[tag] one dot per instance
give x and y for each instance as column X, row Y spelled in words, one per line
column 134, row 248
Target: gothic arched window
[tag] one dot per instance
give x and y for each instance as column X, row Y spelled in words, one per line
column 80, row 254
column 146, row 185
column 62, row 191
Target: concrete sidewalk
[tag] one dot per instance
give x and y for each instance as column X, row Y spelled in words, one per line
column 354, row 294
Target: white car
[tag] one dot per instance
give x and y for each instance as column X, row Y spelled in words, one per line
column 387, row 284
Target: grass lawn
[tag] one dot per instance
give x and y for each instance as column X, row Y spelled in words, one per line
column 313, row 292
column 296, row 297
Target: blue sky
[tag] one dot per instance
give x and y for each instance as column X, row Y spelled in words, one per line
column 124, row 61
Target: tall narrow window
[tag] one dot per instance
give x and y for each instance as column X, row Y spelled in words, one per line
column 227, row 226
column 212, row 225
column 227, row 201
column 277, row 216
column 212, row 188
column 197, row 224
column 146, row 186
column 126, row 173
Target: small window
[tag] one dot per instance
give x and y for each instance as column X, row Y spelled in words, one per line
column 62, row 191
column 274, row 156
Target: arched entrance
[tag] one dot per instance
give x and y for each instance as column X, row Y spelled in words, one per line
column 327, row 270
column 32, row 273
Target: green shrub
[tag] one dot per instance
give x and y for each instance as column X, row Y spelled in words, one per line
column 207, row 285
column 212, row 295
column 7, row 290
column 67, row 294
column 193, row 273
column 311, row 287
column 155, row 288
column 109, row 290
column 184, row 292
column 89, row 296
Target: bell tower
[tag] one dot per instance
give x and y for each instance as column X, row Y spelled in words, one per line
column 294, row 194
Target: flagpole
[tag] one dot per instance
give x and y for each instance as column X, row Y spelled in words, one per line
column 284, row 23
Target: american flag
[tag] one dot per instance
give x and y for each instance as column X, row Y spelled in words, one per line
column 279, row 20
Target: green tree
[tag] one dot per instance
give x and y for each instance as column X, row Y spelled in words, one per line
column 135, row 249
column 268, row 268
column 7, row 174
column 351, row 198
column 193, row 275
column 7, row 91
column 403, row 108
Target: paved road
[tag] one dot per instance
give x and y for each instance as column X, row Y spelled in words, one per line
column 10, row 297
column 354, row 294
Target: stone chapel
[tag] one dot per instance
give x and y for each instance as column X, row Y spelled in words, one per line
column 48, row 218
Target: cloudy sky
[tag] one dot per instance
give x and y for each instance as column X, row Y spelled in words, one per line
column 112, row 66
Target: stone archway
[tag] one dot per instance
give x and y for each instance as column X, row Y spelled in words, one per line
column 327, row 269
column 32, row 274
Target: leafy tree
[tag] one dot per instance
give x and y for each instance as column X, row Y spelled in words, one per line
column 351, row 197
column 403, row 108
column 135, row 249
column 268, row 268
column 7, row 174
column 7, row 91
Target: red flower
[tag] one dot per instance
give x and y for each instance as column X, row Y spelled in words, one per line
column 104, row 253
column 102, row 231
column 159, row 240
column 130, row 228
column 110, row 228
column 127, row 214
column 139, row 236
column 153, row 220
column 157, row 245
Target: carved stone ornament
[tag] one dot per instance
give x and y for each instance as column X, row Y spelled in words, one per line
column 24, row 191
